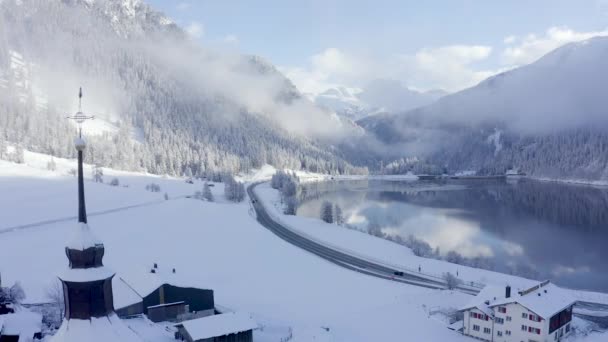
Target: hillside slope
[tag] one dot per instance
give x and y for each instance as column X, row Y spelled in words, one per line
column 548, row 119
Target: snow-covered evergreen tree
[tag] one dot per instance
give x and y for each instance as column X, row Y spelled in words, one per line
column 338, row 215
column 327, row 212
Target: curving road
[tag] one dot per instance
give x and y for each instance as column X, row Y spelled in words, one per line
column 343, row 259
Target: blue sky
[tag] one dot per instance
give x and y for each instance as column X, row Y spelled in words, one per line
column 424, row 44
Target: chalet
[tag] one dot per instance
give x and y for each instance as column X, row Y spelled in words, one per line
column 226, row 327
column 540, row 313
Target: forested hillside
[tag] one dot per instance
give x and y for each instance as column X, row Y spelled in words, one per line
column 176, row 107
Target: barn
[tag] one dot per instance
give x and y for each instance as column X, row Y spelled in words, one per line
column 161, row 299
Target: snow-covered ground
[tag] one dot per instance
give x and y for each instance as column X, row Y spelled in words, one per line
column 218, row 246
column 211, row 245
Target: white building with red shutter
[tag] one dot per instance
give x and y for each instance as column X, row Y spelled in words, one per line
column 541, row 313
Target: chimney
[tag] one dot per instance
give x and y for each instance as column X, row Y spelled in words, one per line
column 508, row 292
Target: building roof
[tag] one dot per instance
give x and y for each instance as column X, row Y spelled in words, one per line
column 79, row 275
column 166, row 304
column 102, row 329
column 218, row 325
column 544, row 299
column 131, row 288
column 83, row 238
column 23, row 323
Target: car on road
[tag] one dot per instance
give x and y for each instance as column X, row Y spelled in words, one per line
column 398, row 273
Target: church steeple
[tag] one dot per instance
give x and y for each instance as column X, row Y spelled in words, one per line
column 87, row 283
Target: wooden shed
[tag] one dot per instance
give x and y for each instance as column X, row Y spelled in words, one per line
column 229, row 327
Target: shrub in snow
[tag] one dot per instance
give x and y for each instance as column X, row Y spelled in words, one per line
column 454, row 258
column 207, row 194
column 339, row 216
column 54, row 293
column 51, row 165
column 115, row 182
column 451, row 280
column 166, row 196
column 233, row 189
column 97, row 174
column 153, row 187
column 18, row 155
column 14, row 294
column 327, row 214
column 289, row 187
column 419, row 248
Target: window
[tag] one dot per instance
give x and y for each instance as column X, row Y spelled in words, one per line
column 502, row 309
column 476, row 327
column 524, row 328
column 499, row 320
column 472, row 314
column 487, row 330
column 486, row 317
column 535, row 318
column 508, row 318
column 508, row 332
column 567, row 327
column 524, row 315
column 499, row 333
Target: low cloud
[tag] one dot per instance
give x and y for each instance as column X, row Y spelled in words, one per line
column 195, row 29
column 448, row 67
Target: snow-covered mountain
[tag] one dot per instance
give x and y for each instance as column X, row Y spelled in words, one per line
column 192, row 109
column 379, row 96
column 547, row 118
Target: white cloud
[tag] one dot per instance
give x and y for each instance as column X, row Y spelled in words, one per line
column 510, row 39
column 532, row 47
column 195, row 29
column 452, row 67
column 449, row 67
column 231, row 39
column 182, row 6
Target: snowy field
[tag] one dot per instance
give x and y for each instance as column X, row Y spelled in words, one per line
column 218, row 246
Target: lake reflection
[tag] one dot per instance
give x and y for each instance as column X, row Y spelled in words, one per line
column 547, row 230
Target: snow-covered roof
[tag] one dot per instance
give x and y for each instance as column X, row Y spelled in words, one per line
column 23, row 323
column 86, row 274
column 218, row 325
column 83, row 238
column 545, row 299
column 101, row 329
column 124, row 295
column 144, row 283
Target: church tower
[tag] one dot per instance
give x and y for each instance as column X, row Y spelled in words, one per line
column 87, row 283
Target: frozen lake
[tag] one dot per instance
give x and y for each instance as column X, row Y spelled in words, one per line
column 529, row 228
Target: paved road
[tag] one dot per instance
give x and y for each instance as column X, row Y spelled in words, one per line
column 343, row 259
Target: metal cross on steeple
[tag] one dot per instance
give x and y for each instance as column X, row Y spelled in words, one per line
column 79, row 117
column 80, row 144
